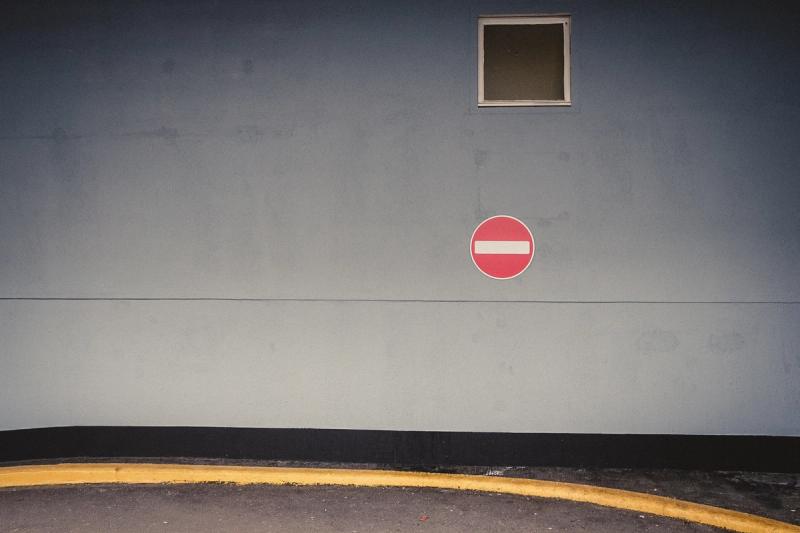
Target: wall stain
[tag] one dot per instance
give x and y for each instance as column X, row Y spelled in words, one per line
column 59, row 135
column 247, row 66
column 75, row 188
column 544, row 222
column 284, row 132
column 500, row 405
column 249, row 133
column 64, row 157
column 725, row 343
column 165, row 133
column 168, row 66
column 400, row 115
column 613, row 166
column 790, row 359
column 480, row 157
column 506, row 368
column 657, row 341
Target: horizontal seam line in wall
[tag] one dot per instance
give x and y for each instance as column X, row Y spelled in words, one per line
column 395, row 300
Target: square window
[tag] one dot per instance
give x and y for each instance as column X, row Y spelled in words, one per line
column 523, row 61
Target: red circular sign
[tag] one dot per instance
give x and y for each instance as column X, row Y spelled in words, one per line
column 502, row 247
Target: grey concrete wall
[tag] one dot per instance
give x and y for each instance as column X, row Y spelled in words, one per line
column 327, row 162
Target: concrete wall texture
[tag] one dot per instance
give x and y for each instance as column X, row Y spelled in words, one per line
column 258, row 214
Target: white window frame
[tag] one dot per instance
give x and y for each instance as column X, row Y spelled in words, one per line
column 488, row 20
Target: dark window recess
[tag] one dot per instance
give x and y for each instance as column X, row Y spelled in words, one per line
column 523, row 62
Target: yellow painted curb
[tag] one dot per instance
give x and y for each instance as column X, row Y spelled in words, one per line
column 76, row 473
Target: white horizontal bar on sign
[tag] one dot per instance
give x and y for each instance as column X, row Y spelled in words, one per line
column 503, row 247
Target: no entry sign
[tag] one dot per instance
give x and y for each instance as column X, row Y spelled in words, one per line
column 502, row 247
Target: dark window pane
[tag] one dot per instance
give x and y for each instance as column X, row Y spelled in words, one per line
column 523, row 62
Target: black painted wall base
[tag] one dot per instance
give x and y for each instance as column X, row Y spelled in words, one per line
column 420, row 449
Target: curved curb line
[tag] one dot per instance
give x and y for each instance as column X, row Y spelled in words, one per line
column 78, row 473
